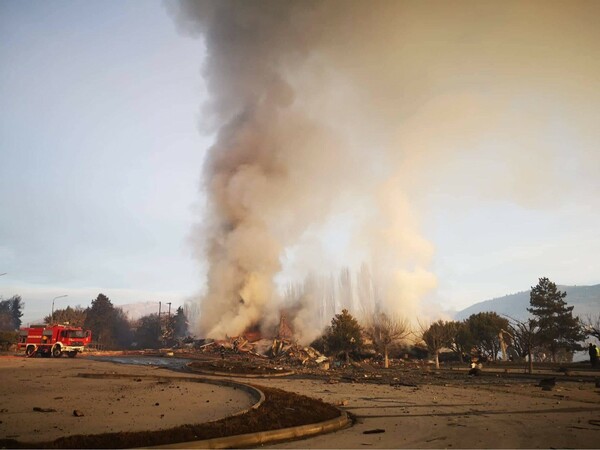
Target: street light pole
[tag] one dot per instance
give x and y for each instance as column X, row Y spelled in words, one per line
column 52, row 315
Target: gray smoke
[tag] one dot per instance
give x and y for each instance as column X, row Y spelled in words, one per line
column 347, row 113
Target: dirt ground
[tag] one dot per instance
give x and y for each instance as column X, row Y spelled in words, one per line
column 399, row 409
column 39, row 397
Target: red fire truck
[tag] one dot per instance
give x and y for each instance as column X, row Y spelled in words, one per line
column 53, row 340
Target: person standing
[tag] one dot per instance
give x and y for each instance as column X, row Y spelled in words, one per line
column 593, row 352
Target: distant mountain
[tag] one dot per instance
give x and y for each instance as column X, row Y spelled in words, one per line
column 585, row 299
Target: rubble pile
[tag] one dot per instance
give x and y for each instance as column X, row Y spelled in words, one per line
column 295, row 355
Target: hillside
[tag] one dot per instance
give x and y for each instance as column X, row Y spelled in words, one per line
column 585, row 299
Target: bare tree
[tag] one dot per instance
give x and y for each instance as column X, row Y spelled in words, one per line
column 386, row 329
column 525, row 338
column 591, row 326
column 436, row 337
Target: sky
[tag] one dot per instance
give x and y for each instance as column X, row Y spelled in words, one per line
column 103, row 141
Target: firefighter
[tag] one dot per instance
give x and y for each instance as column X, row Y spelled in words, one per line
column 593, row 352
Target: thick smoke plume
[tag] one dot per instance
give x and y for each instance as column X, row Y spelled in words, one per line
column 337, row 119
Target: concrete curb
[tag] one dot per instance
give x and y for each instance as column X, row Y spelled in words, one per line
column 236, row 375
column 266, row 437
column 241, row 440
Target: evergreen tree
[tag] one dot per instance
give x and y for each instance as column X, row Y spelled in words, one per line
column 72, row 316
column 108, row 324
column 148, row 333
column 460, row 340
column 344, row 335
column 485, row 328
column 558, row 329
column 180, row 324
column 11, row 313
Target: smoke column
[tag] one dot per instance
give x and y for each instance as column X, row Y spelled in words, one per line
column 346, row 114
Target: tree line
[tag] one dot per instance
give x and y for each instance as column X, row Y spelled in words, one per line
column 111, row 329
column 551, row 333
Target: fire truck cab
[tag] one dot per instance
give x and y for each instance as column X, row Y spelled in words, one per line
column 53, row 340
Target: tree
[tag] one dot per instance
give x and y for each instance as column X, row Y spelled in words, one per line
column 72, row 316
column 460, row 340
column 180, row 324
column 558, row 328
column 148, row 332
column 436, row 336
column 591, row 326
column 384, row 330
column 108, row 324
column 344, row 334
column 485, row 328
column 11, row 313
column 525, row 336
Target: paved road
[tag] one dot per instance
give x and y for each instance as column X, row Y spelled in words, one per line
column 463, row 416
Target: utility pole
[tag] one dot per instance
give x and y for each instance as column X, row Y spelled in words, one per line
column 160, row 332
column 52, row 314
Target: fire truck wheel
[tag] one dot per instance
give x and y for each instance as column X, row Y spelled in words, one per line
column 30, row 350
column 71, row 354
column 56, row 351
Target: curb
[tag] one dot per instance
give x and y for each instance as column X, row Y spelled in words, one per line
column 241, row 440
column 241, row 375
column 266, row 437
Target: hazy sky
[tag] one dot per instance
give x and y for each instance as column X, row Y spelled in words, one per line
column 101, row 151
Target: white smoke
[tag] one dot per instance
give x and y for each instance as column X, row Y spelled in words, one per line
column 352, row 110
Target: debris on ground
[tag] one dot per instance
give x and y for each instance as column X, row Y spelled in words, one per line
column 44, row 410
column 547, row 384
